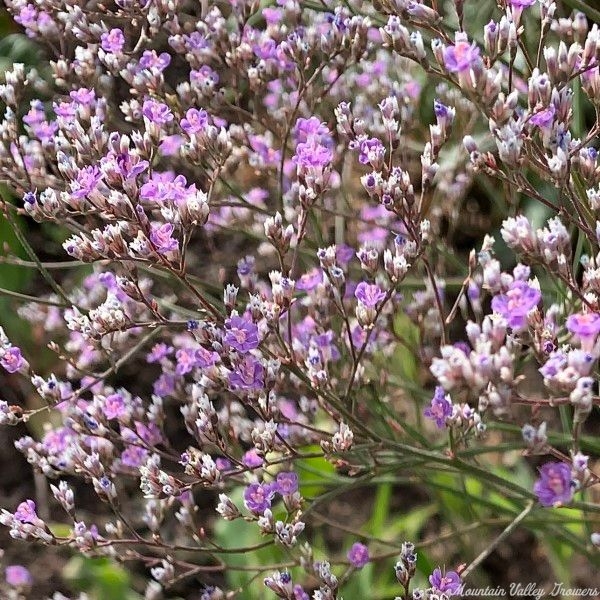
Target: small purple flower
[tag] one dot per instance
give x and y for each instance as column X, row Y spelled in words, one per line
column 286, row 483
column 194, row 121
column 584, row 325
column 248, row 375
column 521, row 3
column 371, row 151
column 12, row 360
column 114, row 406
column 18, row 576
column 516, row 303
column 134, row 456
column 252, row 459
column 312, row 154
column 158, row 352
column 112, row 41
column 461, row 57
column 153, row 61
column 440, row 408
column 369, row 294
column 553, row 488
column 157, row 112
column 25, row 513
column 86, row 182
column 448, row 583
column 358, row 555
column 242, row 334
column 543, row 118
column 162, row 237
column 258, row 497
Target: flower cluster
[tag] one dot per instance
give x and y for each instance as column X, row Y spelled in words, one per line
column 263, row 276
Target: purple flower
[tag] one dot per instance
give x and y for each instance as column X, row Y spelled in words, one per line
column 242, row 334
column 195, row 121
column 114, row 406
column 134, row 456
column 112, row 41
column 358, row 555
column 86, row 182
column 449, row 583
column 584, row 325
column 151, row 60
column 18, row 576
column 12, row 360
column 157, row 112
column 461, row 57
column 309, row 281
column 543, row 118
column 369, row 294
column 258, row 497
column 553, row 488
column 25, row 513
column 440, row 408
column 371, row 151
column 516, row 303
column 252, row 459
column 158, row 352
column 161, row 237
column 248, row 375
column 312, row 154
column 286, row 483
column 521, row 3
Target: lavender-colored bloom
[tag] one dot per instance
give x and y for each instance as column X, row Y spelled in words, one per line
column 312, row 154
column 242, row 334
column 114, row 406
column 521, row 3
column 447, row 583
column 113, row 41
column 157, row 112
column 248, row 375
column 369, row 294
column 553, row 488
column 18, row 576
column 161, row 237
column 195, row 121
column 516, row 303
column 440, row 408
column 134, row 456
column 252, row 459
column 86, row 182
column 153, row 61
column 461, row 57
column 258, row 497
column 371, row 151
column 25, row 513
column 286, row 483
column 543, row 118
column 584, row 325
column 358, row 555
column 12, row 360
column 309, row 281
column 158, row 352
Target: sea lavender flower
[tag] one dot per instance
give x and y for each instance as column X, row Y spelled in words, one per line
column 553, row 488
column 448, row 583
column 369, row 294
column 516, row 303
column 162, row 238
column 113, row 41
column 241, row 334
column 286, row 483
column 358, row 555
column 440, row 409
column 586, row 326
column 195, row 121
column 258, row 497
column 247, row 375
column 461, row 57
column 157, row 112
column 18, row 576
column 11, row 359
